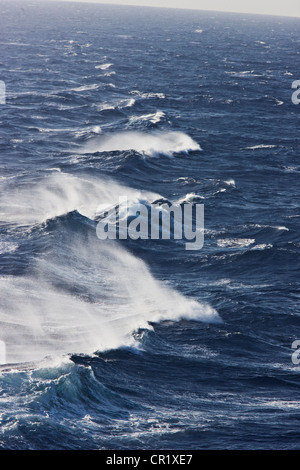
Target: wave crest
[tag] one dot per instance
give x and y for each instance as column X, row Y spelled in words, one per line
column 152, row 144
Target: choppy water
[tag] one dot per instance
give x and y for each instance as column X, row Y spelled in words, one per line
column 142, row 344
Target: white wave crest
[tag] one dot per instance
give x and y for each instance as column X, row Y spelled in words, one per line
column 8, row 247
column 120, row 296
column 151, row 144
column 153, row 117
column 93, row 86
column 40, row 320
column 60, row 193
column 103, row 66
column 235, row 242
column 189, row 197
column 148, row 95
column 261, row 146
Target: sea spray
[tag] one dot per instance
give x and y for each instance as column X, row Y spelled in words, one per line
column 49, row 320
column 150, row 144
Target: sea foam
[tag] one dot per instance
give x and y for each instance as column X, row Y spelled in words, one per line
column 151, row 144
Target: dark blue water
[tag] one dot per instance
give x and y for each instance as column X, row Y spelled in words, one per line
column 143, row 344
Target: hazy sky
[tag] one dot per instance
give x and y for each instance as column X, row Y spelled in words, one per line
column 269, row 7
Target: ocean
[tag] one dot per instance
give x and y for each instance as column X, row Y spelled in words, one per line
column 144, row 344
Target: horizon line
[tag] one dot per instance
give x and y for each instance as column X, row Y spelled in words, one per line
column 277, row 15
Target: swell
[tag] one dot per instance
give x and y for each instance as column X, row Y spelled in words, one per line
column 82, row 294
column 148, row 143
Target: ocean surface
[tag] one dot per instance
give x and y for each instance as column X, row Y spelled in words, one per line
column 142, row 344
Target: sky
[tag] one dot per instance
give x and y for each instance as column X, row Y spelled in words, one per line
column 268, row 7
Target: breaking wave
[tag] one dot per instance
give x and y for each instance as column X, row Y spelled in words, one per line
column 163, row 142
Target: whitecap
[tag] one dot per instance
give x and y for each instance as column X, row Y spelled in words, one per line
column 148, row 95
column 105, row 106
column 151, row 144
column 261, row 146
column 40, row 319
column 153, row 117
column 126, row 103
column 59, row 193
column 103, row 66
column 275, row 227
column 235, row 242
column 262, row 246
column 8, row 247
column 190, row 197
column 230, row 183
column 93, row 86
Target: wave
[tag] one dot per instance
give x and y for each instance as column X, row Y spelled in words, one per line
column 275, row 227
column 148, row 95
column 67, row 392
column 190, row 198
column 291, row 169
column 154, row 118
column 262, row 246
column 57, row 310
column 187, row 180
column 103, row 66
column 235, row 242
column 60, row 193
column 260, row 146
column 115, row 105
column 152, row 144
column 244, row 74
column 127, row 103
column 93, row 86
column 230, row 182
column 8, row 247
